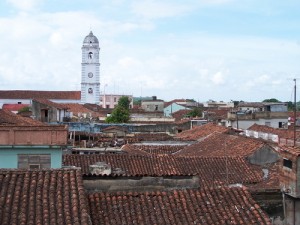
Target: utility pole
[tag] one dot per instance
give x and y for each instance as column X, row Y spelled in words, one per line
column 295, row 113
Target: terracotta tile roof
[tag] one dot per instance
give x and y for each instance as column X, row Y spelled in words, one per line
column 180, row 114
column 199, row 132
column 152, row 137
column 282, row 133
column 192, row 206
column 220, row 144
column 9, row 118
column 211, row 170
column 152, row 149
column 289, row 149
column 50, row 103
column 272, row 181
column 30, row 94
column 115, row 128
column 78, row 109
column 42, row 197
column 214, row 114
column 14, row 107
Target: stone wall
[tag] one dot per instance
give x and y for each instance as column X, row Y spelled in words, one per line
column 139, row 183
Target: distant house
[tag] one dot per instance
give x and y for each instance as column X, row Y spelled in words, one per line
column 153, row 105
column 48, row 111
column 218, row 105
column 172, row 107
column 26, row 96
column 262, row 113
column 115, row 131
column 109, row 101
column 290, row 183
column 15, row 108
column 32, row 147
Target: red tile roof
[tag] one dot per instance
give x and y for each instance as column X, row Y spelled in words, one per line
column 49, row 103
column 9, row 118
column 211, row 170
column 214, row 114
column 193, row 206
column 180, row 114
column 78, row 109
column 220, row 144
column 199, row 132
column 152, row 149
column 43, row 197
column 14, row 107
column 30, row 94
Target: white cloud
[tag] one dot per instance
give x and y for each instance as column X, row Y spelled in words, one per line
column 218, row 78
column 24, row 5
column 154, row 9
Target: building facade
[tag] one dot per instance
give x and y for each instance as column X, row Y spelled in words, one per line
column 90, row 70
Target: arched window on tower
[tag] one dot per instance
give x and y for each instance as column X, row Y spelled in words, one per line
column 90, row 90
column 90, row 55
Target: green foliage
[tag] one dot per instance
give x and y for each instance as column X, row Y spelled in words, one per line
column 24, row 109
column 196, row 112
column 120, row 114
column 124, row 102
column 271, row 100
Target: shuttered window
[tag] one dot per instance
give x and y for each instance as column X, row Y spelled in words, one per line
column 30, row 161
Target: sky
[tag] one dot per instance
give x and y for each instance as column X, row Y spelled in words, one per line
column 219, row 50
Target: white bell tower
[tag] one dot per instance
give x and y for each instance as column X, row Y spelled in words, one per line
column 90, row 70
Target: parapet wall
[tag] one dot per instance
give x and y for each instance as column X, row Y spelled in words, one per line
column 139, row 183
column 33, row 135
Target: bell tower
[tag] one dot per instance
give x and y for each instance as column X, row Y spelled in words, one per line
column 90, row 70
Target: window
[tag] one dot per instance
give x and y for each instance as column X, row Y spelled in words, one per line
column 115, row 99
column 90, row 55
column 90, row 90
column 34, row 161
column 34, row 166
column 280, row 124
column 19, row 102
column 287, row 163
column 156, row 107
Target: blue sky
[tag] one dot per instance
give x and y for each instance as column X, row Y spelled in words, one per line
column 202, row 49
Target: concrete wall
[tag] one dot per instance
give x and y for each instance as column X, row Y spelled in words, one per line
column 292, row 210
column 245, row 124
column 263, row 156
column 35, row 135
column 153, row 106
column 9, row 155
column 173, row 108
column 131, row 128
column 139, row 183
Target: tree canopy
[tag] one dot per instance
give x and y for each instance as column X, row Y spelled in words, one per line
column 271, row 100
column 196, row 112
column 120, row 114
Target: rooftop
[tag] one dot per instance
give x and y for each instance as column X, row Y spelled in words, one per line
column 42, row 197
column 211, row 170
column 220, row 144
column 30, row 94
column 9, row 118
column 199, row 132
column 193, row 206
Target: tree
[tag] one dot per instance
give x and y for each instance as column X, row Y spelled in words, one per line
column 271, row 100
column 121, row 112
column 196, row 112
column 24, row 109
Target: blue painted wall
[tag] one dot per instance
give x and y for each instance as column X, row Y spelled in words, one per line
column 174, row 107
column 9, row 155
